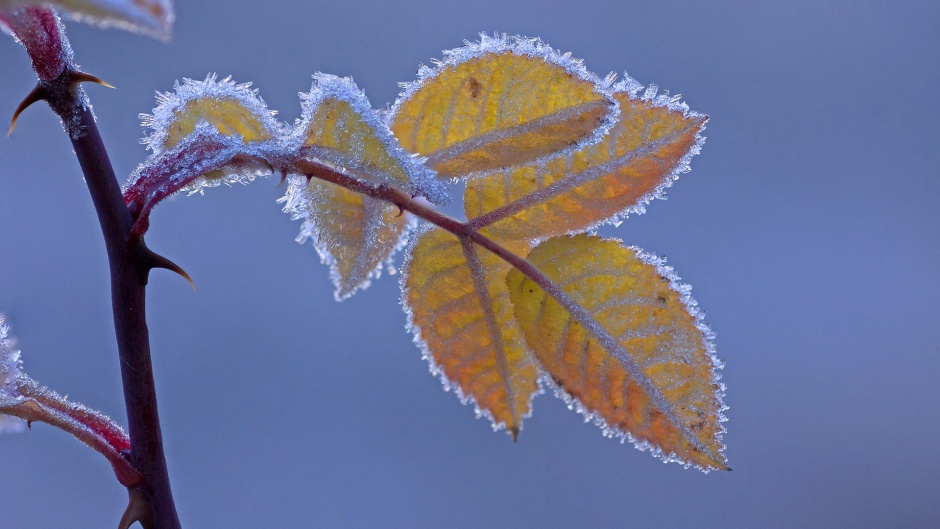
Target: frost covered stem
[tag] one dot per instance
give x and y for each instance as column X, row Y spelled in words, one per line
column 130, row 262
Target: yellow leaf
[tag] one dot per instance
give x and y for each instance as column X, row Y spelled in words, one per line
column 619, row 335
column 500, row 102
column 353, row 234
column 151, row 17
column 645, row 151
column 340, row 127
column 460, row 312
column 211, row 106
column 228, row 107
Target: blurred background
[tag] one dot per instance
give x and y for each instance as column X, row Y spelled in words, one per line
column 808, row 228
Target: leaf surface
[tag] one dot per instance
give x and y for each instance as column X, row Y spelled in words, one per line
column 460, row 313
column 151, row 17
column 228, row 107
column 500, row 102
column 624, row 342
column 647, row 148
column 353, row 233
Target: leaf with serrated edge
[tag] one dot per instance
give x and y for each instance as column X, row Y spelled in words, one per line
column 461, row 316
column 150, row 17
column 621, row 336
column 229, row 107
column 233, row 110
column 339, row 127
column 649, row 146
column 499, row 102
column 353, row 234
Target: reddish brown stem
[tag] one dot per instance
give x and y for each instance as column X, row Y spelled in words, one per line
column 130, row 263
column 463, row 230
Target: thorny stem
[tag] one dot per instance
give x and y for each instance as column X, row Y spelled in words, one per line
column 41, row 33
column 130, row 262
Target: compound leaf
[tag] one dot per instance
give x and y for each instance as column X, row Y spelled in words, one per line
column 621, row 336
column 461, row 315
column 500, row 102
column 645, row 151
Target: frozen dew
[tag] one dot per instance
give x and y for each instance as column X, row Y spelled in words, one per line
column 11, row 374
column 230, row 106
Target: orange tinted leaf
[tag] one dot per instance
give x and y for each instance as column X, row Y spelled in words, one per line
column 461, row 315
column 621, row 336
column 353, row 234
column 500, row 102
column 645, row 151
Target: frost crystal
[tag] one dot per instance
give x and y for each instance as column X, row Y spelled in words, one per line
column 170, row 104
column 673, row 103
column 11, row 371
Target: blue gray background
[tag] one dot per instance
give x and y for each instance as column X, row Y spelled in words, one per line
column 808, row 228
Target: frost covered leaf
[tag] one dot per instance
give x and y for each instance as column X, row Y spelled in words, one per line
column 339, row 127
column 150, row 17
column 22, row 398
column 461, row 315
column 353, row 233
column 645, row 151
column 233, row 111
column 230, row 108
column 499, row 102
column 627, row 343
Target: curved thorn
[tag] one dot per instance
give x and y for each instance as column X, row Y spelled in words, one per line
column 158, row 261
column 138, row 510
column 37, row 94
column 82, row 77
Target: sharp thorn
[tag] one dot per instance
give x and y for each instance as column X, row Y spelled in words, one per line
column 401, row 211
column 515, row 434
column 158, row 261
column 82, row 77
column 37, row 94
column 138, row 510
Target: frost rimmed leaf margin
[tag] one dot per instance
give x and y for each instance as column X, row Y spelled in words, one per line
column 426, row 354
column 568, row 183
column 517, row 45
column 672, row 103
column 170, row 104
column 297, row 203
